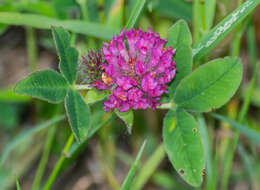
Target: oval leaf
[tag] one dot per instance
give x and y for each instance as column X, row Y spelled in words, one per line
column 46, row 85
column 210, row 86
column 179, row 35
column 183, row 59
column 68, row 55
column 183, row 146
column 128, row 118
column 78, row 113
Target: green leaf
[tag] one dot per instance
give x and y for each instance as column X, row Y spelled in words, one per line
column 139, row 4
column 94, row 95
column 43, row 22
column 223, row 28
column 68, row 55
column 210, row 86
column 130, row 176
column 245, row 130
column 78, row 114
column 183, row 59
column 179, row 35
column 128, row 118
column 46, row 85
column 183, row 145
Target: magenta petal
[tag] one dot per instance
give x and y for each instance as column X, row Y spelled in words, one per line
column 124, row 82
column 140, row 68
column 148, row 83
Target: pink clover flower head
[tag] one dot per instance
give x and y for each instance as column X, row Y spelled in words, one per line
column 136, row 69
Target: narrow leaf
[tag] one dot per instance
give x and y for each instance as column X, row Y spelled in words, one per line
column 210, row 173
column 149, row 168
column 210, row 86
column 17, row 185
column 46, row 85
column 245, row 130
column 68, row 55
column 183, row 145
column 130, row 176
column 139, row 4
column 26, row 134
column 43, row 22
column 128, row 118
column 78, row 114
column 116, row 14
column 223, row 28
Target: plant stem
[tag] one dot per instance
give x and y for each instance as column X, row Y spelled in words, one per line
column 101, row 12
column 57, row 168
column 81, row 87
column 84, row 10
column 31, row 48
column 44, row 159
column 203, row 18
column 196, row 20
column 169, row 105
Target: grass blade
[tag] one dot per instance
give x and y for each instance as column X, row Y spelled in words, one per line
column 149, row 168
column 44, row 159
column 130, row 177
column 43, row 22
column 247, row 163
column 247, row 131
column 139, row 4
column 211, row 180
column 223, row 28
column 17, row 140
column 17, row 185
